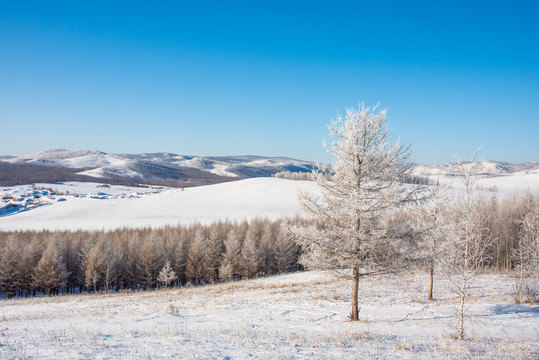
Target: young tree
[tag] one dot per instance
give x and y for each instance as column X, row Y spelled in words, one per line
column 458, row 261
column 167, row 274
column 432, row 217
column 526, row 256
column 364, row 182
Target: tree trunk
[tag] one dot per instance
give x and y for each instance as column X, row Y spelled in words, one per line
column 354, row 316
column 460, row 334
column 431, row 275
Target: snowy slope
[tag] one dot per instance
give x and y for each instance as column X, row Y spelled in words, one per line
column 295, row 316
column 93, row 206
column 237, row 200
column 102, row 165
column 498, row 178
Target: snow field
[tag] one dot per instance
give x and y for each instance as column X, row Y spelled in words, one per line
column 21, row 198
column 238, row 200
column 97, row 207
column 296, row 316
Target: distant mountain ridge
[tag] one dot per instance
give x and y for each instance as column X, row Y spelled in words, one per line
column 155, row 168
column 486, row 168
column 171, row 169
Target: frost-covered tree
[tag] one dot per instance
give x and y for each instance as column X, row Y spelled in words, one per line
column 459, row 254
column 250, row 256
column 285, row 253
column 526, row 256
column 92, row 260
column 364, row 182
column 167, row 274
column 432, row 218
column 230, row 264
column 150, row 260
column 195, row 267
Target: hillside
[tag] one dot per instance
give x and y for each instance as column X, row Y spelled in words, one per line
column 296, row 316
column 153, row 168
column 237, row 200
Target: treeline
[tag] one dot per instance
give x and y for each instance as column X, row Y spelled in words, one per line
column 500, row 229
column 53, row 262
column 306, row 176
column 497, row 226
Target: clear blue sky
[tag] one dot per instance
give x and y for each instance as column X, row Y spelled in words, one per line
column 266, row 77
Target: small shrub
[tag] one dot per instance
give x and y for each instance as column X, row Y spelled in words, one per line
column 173, row 310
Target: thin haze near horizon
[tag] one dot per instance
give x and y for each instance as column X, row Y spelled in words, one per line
column 266, row 78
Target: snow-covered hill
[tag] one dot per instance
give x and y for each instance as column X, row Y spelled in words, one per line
column 499, row 178
column 161, row 165
column 237, row 200
column 187, row 169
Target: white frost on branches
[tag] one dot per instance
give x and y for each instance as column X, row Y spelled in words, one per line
column 364, row 183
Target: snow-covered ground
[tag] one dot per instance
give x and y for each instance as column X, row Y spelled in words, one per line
column 238, row 200
column 498, row 178
column 296, row 316
column 72, row 205
column 21, row 198
column 499, row 186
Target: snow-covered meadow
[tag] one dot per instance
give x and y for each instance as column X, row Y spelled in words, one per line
column 104, row 209
column 21, row 198
column 92, row 206
column 296, row 316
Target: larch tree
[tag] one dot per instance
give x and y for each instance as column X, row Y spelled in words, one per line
column 213, row 255
column 149, row 260
column 166, row 275
column 28, row 260
column 250, row 255
column 363, row 184
column 50, row 272
column 230, row 264
column 92, row 260
column 433, row 218
column 195, row 267
column 285, row 253
column 10, row 270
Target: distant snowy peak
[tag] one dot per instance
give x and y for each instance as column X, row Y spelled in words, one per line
column 57, row 155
